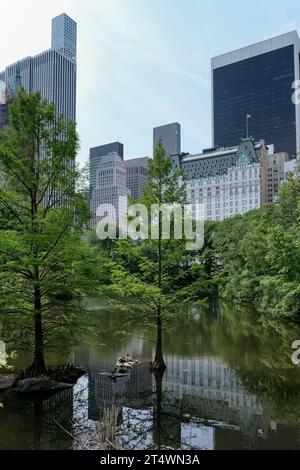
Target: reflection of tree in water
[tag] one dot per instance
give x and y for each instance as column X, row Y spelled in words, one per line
column 147, row 417
column 38, row 423
column 166, row 419
column 266, row 369
column 232, row 345
column 158, row 426
column 259, row 351
column 229, row 375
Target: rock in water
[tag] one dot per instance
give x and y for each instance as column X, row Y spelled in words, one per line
column 40, row 385
column 7, row 381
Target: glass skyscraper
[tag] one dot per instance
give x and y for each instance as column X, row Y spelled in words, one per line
column 64, row 33
column 170, row 137
column 52, row 72
column 252, row 94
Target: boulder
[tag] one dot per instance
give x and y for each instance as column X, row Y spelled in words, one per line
column 7, row 381
column 40, row 385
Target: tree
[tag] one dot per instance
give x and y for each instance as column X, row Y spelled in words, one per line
column 40, row 250
column 154, row 270
column 260, row 254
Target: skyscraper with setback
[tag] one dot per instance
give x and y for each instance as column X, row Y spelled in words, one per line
column 52, row 72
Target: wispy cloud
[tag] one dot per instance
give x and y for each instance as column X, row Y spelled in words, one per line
column 166, row 65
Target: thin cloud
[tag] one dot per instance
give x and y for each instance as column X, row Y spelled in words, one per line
column 149, row 56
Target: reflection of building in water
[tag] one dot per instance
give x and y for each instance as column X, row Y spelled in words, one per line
column 131, row 390
column 57, row 419
column 209, row 388
column 204, row 404
column 37, row 424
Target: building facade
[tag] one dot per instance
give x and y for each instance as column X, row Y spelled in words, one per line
column 110, row 187
column 4, row 109
column 226, row 181
column 97, row 153
column 52, row 72
column 272, row 175
column 215, row 162
column 64, row 36
column 136, row 176
column 290, row 169
column 170, row 136
column 252, row 91
column 235, row 192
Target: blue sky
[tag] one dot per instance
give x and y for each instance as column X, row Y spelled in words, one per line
column 142, row 63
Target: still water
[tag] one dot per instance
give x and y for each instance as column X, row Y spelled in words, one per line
column 230, row 384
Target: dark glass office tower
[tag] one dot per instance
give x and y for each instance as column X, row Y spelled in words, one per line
column 252, row 93
column 170, row 136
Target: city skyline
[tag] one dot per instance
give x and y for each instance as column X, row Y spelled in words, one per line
column 160, row 82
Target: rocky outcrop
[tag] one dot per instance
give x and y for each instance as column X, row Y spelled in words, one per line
column 40, row 385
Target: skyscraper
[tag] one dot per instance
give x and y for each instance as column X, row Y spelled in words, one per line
column 52, row 72
column 110, row 186
column 136, row 175
column 4, row 108
column 272, row 175
column 7, row 96
column 252, row 94
column 170, row 137
column 96, row 154
column 64, row 33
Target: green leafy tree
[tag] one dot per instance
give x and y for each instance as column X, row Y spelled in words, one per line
column 42, row 254
column 260, row 257
column 157, row 272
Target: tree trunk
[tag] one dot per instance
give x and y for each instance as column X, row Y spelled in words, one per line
column 38, row 366
column 157, row 416
column 159, row 363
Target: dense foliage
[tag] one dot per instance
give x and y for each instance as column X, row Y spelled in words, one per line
column 257, row 255
column 254, row 258
column 42, row 255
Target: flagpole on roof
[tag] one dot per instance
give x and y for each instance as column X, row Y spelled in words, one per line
column 248, row 116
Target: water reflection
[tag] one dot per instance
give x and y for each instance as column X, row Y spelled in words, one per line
column 37, row 424
column 229, row 384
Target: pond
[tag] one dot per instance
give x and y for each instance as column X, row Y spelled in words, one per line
column 229, row 384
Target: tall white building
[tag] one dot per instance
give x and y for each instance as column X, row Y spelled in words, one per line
column 110, row 187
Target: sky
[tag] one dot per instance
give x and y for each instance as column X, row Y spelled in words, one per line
column 144, row 63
